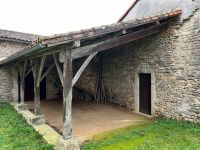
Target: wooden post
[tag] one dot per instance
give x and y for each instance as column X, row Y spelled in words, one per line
column 67, row 97
column 22, row 92
column 35, row 69
column 22, row 70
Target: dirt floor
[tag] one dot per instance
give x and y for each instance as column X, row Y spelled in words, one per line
column 89, row 118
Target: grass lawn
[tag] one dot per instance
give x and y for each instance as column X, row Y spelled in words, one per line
column 16, row 134
column 162, row 134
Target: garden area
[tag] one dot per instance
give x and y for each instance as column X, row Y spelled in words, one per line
column 16, row 134
column 165, row 134
column 161, row 134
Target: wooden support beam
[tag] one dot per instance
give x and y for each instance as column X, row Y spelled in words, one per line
column 117, row 41
column 22, row 70
column 21, row 97
column 47, row 71
column 58, row 68
column 27, row 73
column 40, row 70
column 35, row 69
column 67, row 97
column 82, row 68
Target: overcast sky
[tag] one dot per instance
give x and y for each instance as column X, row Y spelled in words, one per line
column 46, row 17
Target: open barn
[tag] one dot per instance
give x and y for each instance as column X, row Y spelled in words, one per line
column 95, row 80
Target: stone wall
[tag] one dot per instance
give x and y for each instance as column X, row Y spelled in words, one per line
column 53, row 85
column 8, row 48
column 172, row 57
column 8, row 74
column 145, row 8
column 88, row 79
column 8, row 84
column 84, row 89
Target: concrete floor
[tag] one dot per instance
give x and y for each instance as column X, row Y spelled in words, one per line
column 89, row 119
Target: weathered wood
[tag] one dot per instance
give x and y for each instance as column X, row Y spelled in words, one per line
column 22, row 70
column 27, row 73
column 21, row 85
column 117, row 41
column 58, row 68
column 59, row 47
column 47, row 71
column 77, row 43
column 67, row 98
column 40, row 70
column 100, row 93
column 35, row 70
column 62, row 57
column 82, row 68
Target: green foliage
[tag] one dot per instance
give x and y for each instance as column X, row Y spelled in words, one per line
column 162, row 134
column 16, row 134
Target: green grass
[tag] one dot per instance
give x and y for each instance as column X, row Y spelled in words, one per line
column 16, row 134
column 161, row 134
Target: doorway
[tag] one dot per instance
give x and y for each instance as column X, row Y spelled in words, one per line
column 29, row 88
column 145, row 93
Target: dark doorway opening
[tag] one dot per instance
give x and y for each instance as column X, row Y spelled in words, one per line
column 145, row 93
column 29, row 88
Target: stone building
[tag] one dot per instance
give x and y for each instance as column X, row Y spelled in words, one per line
column 148, row 62
column 10, row 43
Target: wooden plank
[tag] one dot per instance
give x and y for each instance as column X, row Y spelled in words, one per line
column 67, row 98
column 40, row 70
column 82, row 68
column 47, row 71
column 117, row 41
column 58, row 68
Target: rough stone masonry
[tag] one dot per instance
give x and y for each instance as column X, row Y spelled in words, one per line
column 172, row 57
column 8, row 74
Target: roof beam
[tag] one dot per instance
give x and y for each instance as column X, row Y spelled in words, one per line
column 117, row 41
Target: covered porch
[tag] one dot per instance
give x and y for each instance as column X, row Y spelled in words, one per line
column 69, row 116
column 88, row 118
